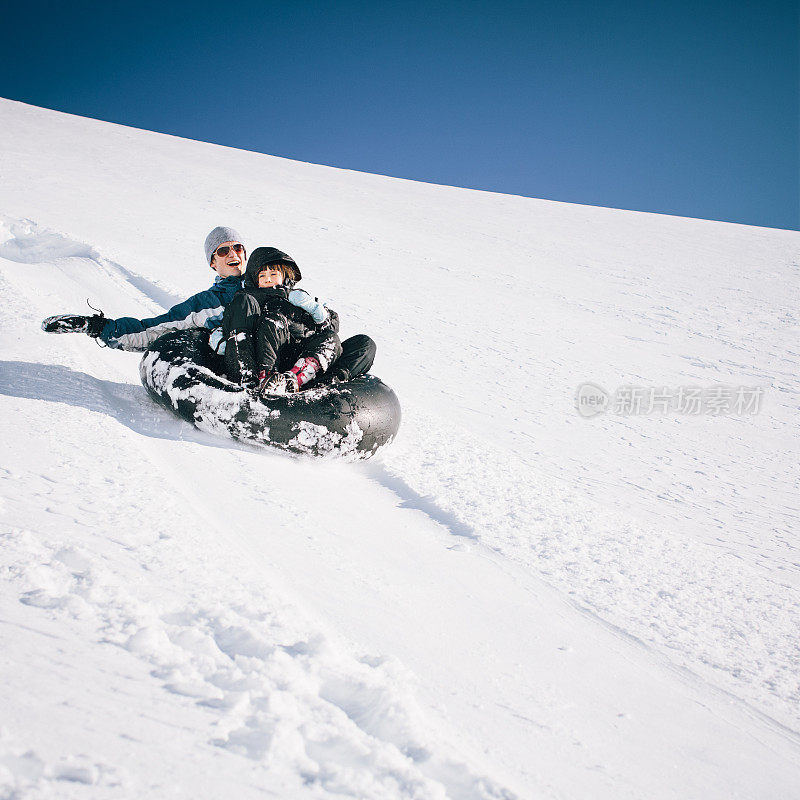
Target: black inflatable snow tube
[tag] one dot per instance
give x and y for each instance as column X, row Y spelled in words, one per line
column 352, row 419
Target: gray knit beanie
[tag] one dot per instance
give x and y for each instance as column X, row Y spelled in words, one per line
column 219, row 235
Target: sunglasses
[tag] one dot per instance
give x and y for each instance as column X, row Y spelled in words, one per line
column 226, row 248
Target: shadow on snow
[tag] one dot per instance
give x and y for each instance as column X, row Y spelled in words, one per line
column 410, row 498
column 128, row 404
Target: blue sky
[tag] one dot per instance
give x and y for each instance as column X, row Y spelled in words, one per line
column 675, row 107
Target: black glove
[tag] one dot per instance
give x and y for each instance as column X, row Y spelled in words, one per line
column 75, row 323
column 95, row 325
column 330, row 324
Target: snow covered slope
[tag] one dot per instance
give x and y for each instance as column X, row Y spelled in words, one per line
column 514, row 601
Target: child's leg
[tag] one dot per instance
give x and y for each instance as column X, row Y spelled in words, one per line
column 272, row 336
column 238, row 329
column 325, row 347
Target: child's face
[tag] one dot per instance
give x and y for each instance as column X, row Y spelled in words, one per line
column 271, row 275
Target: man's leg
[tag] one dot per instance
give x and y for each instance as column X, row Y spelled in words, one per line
column 358, row 354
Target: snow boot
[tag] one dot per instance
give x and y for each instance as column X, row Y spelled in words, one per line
column 277, row 383
column 305, row 370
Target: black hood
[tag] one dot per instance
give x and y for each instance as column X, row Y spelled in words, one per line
column 261, row 257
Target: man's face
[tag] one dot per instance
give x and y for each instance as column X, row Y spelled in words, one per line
column 271, row 275
column 229, row 264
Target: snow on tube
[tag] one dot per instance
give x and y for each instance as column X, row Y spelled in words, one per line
column 352, row 419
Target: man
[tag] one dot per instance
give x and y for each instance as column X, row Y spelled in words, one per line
column 226, row 255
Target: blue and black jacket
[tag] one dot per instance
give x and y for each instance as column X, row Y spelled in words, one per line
column 201, row 310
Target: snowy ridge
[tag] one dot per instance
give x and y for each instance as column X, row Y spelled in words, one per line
column 511, row 602
column 25, row 243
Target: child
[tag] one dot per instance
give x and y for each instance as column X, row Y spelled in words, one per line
column 269, row 325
